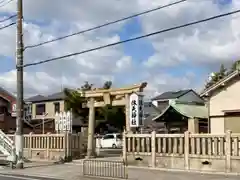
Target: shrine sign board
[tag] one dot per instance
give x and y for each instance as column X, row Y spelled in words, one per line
column 136, row 110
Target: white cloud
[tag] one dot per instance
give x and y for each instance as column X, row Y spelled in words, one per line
column 211, row 42
column 207, row 44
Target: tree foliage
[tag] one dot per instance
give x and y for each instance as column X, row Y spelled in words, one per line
column 86, row 86
column 223, row 72
column 74, row 101
column 107, row 85
column 110, row 115
column 235, row 66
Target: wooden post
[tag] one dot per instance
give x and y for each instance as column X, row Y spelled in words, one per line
column 228, row 149
column 153, row 140
column 193, row 125
column 124, row 147
column 186, row 150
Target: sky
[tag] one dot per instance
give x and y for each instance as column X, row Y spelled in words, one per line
column 179, row 59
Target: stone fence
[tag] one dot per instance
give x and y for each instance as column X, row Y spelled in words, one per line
column 53, row 146
column 198, row 152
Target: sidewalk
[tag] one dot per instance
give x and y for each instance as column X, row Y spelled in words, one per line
column 47, row 170
column 74, row 172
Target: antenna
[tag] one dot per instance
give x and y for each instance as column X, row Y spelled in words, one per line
column 61, row 81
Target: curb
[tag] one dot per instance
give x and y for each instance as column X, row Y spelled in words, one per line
column 186, row 171
column 31, row 176
column 173, row 170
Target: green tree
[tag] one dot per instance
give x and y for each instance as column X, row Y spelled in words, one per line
column 235, row 66
column 217, row 76
column 86, row 86
column 107, row 85
column 74, row 101
column 108, row 114
column 222, row 72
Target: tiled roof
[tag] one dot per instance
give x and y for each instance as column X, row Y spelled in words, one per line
column 151, row 111
column 59, row 95
column 52, row 97
column 7, row 94
column 171, row 94
column 35, row 98
column 186, row 109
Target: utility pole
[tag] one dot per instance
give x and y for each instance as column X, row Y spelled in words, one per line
column 20, row 103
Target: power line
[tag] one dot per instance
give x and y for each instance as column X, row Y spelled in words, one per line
column 4, row 4
column 132, row 39
column 11, row 24
column 10, row 17
column 103, row 25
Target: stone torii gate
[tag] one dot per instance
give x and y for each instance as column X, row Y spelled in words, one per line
column 103, row 97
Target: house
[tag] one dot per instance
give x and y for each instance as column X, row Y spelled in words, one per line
column 188, row 95
column 223, row 100
column 181, row 116
column 43, row 108
column 176, row 112
column 49, row 105
column 7, row 121
column 150, row 112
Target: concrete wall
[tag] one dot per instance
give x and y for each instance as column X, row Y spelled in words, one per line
column 227, row 98
column 217, row 125
column 49, row 108
column 178, row 162
column 232, row 123
column 44, row 154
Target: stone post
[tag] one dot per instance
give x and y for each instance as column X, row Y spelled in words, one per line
column 124, row 147
column 186, row 150
column 228, row 149
column 153, row 140
column 91, row 129
column 127, row 106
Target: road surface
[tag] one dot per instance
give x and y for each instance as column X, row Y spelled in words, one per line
column 22, row 177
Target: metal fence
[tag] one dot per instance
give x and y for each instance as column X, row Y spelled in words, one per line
column 105, row 169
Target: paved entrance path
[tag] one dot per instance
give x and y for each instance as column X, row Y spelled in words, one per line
column 74, row 172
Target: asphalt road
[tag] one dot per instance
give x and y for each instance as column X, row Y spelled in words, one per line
column 22, row 177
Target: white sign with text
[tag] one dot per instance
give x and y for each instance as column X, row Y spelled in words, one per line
column 63, row 122
column 136, row 110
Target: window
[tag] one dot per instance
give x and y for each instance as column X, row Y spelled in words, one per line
column 57, row 107
column 40, row 109
column 109, row 136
